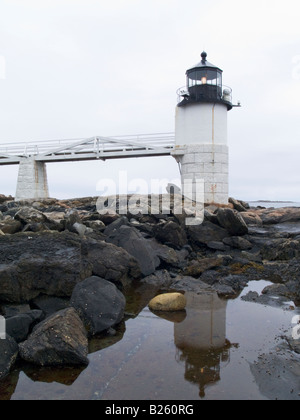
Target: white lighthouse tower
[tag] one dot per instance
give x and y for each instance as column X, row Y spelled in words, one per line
column 201, row 131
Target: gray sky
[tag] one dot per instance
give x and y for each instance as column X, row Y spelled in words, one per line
column 80, row 68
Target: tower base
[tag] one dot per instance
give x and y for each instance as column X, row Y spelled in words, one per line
column 32, row 180
column 207, row 162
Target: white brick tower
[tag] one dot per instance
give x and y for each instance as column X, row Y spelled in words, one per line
column 201, row 131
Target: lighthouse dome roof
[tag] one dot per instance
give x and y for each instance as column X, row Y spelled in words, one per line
column 204, row 64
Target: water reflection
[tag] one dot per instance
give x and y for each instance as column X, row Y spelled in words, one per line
column 159, row 356
column 66, row 376
column 201, row 341
column 103, row 341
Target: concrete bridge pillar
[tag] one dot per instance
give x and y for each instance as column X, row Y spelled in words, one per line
column 32, row 180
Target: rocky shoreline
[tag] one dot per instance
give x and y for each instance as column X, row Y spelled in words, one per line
column 64, row 268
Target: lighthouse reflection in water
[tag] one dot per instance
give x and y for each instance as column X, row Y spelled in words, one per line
column 201, row 341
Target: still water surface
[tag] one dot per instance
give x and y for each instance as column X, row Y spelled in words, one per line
column 204, row 353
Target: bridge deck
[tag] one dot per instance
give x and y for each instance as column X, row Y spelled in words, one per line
column 119, row 147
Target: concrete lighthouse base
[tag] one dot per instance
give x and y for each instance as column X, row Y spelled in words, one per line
column 207, row 162
column 201, row 148
column 32, row 180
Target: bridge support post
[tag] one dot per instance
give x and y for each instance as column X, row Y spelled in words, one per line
column 32, row 180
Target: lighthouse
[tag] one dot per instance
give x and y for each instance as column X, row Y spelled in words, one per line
column 201, row 132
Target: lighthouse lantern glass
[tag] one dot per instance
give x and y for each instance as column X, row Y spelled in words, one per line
column 204, row 84
column 204, row 76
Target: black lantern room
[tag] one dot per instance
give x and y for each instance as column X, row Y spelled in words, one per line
column 204, row 84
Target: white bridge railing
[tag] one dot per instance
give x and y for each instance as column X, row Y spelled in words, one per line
column 97, row 147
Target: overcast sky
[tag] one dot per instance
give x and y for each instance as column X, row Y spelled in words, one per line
column 81, row 68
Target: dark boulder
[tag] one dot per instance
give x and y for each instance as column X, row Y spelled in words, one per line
column 52, row 263
column 280, row 249
column 99, row 303
column 10, row 226
column 266, row 300
column 3, row 208
column 168, row 256
column 206, row 232
column 48, row 262
column 19, row 326
column 71, row 218
column 225, row 291
column 8, row 355
column 9, row 311
column 49, row 304
column 232, row 221
column 60, row 340
column 81, row 229
column 116, row 225
column 196, row 267
column 237, row 204
column 109, row 218
column 218, row 246
column 251, row 218
column 238, row 242
column 35, row 227
column 4, row 198
column 189, row 284
column 275, row 216
column 95, row 225
column 35, row 220
column 136, row 245
column 171, row 233
column 289, row 290
column 228, row 286
column 110, row 262
column 160, row 279
column 210, row 217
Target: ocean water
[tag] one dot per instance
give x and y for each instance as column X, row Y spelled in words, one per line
column 275, row 204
